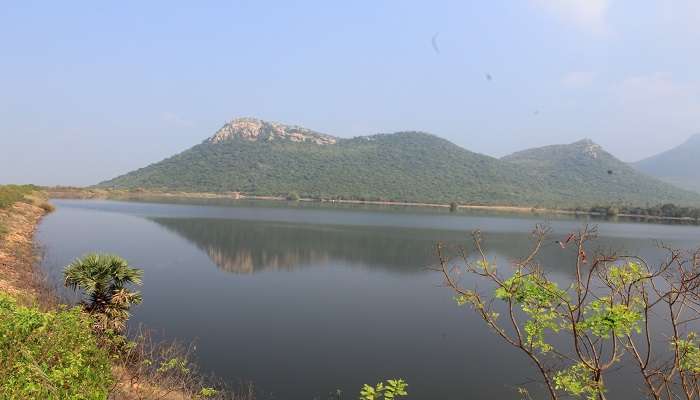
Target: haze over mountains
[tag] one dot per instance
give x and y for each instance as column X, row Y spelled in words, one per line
column 264, row 158
column 679, row 165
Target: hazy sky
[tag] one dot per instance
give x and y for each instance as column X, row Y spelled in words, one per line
column 89, row 90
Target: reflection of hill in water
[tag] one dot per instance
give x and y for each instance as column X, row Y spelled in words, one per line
column 252, row 246
column 245, row 261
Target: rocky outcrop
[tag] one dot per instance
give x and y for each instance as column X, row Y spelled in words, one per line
column 253, row 129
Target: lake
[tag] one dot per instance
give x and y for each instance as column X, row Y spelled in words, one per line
column 304, row 300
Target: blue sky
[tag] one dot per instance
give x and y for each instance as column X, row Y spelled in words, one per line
column 89, row 90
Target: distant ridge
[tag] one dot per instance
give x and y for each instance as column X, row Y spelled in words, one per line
column 679, row 165
column 266, row 158
column 583, row 170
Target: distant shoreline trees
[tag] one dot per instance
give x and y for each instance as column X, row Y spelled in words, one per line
column 667, row 210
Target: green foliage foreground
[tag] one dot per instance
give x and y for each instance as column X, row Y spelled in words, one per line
column 604, row 313
column 50, row 355
column 389, row 390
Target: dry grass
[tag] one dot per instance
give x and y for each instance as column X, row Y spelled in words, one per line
column 40, row 200
column 68, row 192
column 158, row 369
column 19, row 274
column 46, row 206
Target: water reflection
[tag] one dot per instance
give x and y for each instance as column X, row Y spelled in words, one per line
column 247, row 247
column 306, row 301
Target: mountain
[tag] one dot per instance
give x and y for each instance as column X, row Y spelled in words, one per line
column 265, row 158
column 583, row 172
column 679, row 166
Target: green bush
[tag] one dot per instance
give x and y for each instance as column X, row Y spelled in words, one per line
column 389, row 390
column 293, row 196
column 50, row 355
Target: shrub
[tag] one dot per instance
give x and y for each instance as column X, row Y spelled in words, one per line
column 50, row 355
column 293, row 196
column 46, row 206
column 389, row 390
column 10, row 194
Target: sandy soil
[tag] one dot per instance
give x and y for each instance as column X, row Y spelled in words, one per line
column 19, row 273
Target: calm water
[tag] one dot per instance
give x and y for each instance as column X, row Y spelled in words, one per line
column 303, row 301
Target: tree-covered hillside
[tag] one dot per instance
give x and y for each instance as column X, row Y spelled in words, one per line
column 404, row 166
column 261, row 158
column 583, row 173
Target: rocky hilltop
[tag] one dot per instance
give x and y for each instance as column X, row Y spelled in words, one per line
column 253, row 129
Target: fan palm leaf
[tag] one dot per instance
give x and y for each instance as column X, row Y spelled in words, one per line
column 100, row 276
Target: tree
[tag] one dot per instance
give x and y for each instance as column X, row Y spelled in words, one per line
column 605, row 313
column 104, row 279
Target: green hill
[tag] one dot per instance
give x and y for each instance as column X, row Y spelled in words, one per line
column 679, row 166
column 582, row 173
column 263, row 158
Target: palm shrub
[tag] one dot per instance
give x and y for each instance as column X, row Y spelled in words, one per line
column 105, row 279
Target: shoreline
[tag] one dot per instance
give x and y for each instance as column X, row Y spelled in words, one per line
column 113, row 194
column 20, row 272
column 109, row 194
